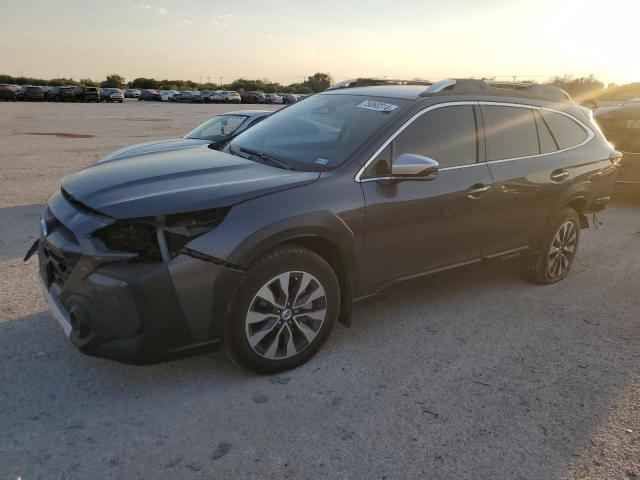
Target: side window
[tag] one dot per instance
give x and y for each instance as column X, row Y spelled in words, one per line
column 547, row 142
column 566, row 131
column 510, row 132
column 447, row 134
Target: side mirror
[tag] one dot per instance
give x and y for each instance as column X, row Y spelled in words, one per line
column 411, row 166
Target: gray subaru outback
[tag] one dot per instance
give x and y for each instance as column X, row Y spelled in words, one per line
column 263, row 246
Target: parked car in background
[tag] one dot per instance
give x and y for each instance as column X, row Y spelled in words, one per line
column 229, row 96
column 621, row 126
column 149, row 95
column 8, row 93
column 273, row 98
column 20, row 91
column 214, row 132
column 112, row 95
column 50, row 93
column 216, row 97
column 33, row 94
column 168, row 95
column 65, row 94
column 131, row 93
column 190, row 96
column 207, row 95
column 87, row 94
column 288, row 98
column 252, row 97
column 197, row 97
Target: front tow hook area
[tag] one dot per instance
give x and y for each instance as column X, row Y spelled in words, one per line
column 32, row 249
column 80, row 324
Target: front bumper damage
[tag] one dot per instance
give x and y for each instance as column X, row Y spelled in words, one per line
column 112, row 306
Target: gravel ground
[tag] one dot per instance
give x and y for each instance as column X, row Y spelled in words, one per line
column 474, row 373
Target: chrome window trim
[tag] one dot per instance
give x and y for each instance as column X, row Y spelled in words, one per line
column 358, row 177
column 375, row 179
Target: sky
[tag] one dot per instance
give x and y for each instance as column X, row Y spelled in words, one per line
column 286, row 40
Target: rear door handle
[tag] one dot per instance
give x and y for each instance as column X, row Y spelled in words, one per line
column 478, row 190
column 559, row 175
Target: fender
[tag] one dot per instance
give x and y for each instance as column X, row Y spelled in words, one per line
column 332, row 210
column 322, row 225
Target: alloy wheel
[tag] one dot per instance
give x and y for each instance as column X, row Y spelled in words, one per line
column 562, row 250
column 286, row 315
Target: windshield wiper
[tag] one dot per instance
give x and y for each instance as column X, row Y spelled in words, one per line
column 267, row 158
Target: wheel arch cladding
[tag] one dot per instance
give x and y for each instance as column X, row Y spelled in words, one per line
column 579, row 204
column 577, row 198
column 329, row 238
column 341, row 265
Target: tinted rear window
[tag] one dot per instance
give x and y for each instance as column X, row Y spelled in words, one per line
column 510, row 132
column 566, row 131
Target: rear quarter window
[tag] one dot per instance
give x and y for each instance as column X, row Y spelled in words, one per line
column 567, row 132
column 510, row 132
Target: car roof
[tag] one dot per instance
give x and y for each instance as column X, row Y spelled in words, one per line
column 248, row 113
column 409, row 92
column 473, row 88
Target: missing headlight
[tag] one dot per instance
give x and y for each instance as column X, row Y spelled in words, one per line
column 194, row 223
column 159, row 238
column 180, row 229
column 136, row 236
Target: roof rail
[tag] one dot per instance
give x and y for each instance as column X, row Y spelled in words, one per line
column 470, row 86
column 373, row 82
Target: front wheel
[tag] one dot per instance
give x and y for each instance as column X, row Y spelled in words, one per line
column 558, row 249
column 282, row 311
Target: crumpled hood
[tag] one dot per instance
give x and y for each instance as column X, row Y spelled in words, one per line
column 177, row 181
column 152, row 147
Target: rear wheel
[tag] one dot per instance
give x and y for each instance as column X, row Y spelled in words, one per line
column 558, row 249
column 282, row 311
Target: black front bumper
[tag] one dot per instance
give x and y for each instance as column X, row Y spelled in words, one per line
column 126, row 310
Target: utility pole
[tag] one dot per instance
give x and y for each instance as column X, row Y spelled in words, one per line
column 221, row 80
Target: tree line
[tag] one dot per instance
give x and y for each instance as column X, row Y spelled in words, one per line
column 582, row 89
column 313, row 84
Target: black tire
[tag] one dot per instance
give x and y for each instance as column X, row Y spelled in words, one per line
column 548, row 267
column 284, row 259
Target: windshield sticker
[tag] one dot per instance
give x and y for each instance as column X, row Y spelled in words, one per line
column 377, row 106
column 322, row 161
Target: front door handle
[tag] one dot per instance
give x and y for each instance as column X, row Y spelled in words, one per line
column 477, row 191
column 559, row 175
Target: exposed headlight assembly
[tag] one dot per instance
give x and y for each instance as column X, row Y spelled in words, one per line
column 156, row 239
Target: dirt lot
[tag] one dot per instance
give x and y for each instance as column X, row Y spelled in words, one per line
column 473, row 374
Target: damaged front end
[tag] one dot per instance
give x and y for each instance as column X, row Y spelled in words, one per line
column 131, row 289
column 160, row 238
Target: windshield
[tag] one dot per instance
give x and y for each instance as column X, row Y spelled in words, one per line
column 218, row 128
column 321, row 132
